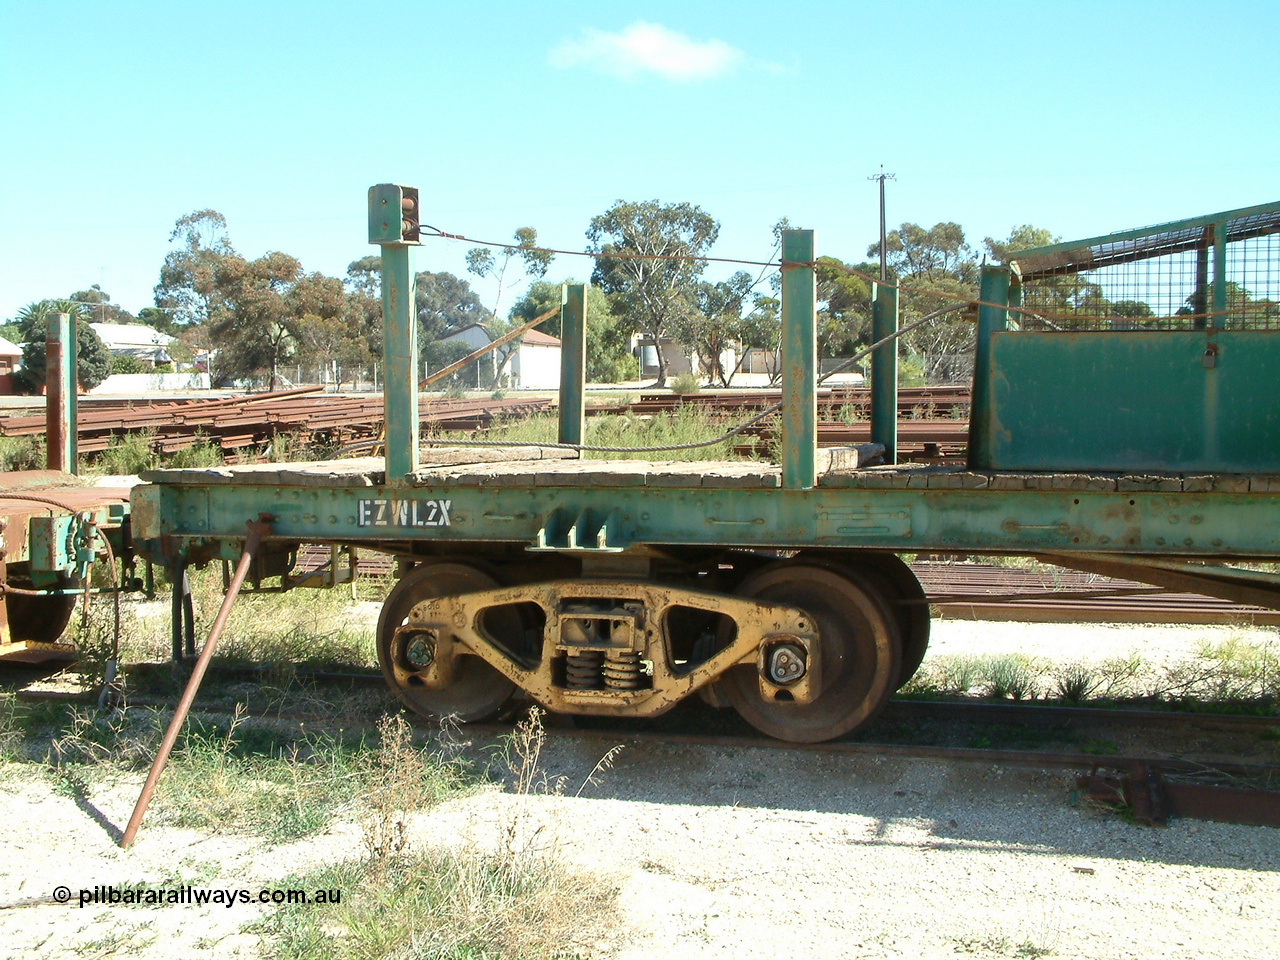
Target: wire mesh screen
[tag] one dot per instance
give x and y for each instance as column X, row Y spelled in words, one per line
column 1253, row 283
column 1161, row 280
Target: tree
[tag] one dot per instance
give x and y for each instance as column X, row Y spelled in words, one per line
column 445, row 303
column 327, row 329
column 364, row 302
column 844, row 307
column 647, row 262
column 1020, row 238
column 256, row 327
column 935, row 268
column 101, row 309
column 93, row 360
column 716, row 325
column 484, row 263
column 762, row 330
column 188, row 285
column 609, row 358
column 127, row 363
column 939, row 253
column 158, row 319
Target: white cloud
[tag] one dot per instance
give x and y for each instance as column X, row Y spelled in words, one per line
column 648, row 48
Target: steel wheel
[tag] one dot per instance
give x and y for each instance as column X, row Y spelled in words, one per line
column 478, row 691
column 899, row 584
column 858, row 644
column 40, row 619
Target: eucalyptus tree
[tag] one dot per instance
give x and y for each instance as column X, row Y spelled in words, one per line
column 648, row 260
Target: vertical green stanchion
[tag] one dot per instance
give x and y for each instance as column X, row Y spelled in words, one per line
column 799, row 361
column 884, row 370
column 573, row 362
column 60, row 393
column 400, row 355
column 1219, row 318
column 991, row 317
column 393, row 225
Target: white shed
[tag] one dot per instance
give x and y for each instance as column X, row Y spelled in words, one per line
column 535, row 366
column 136, row 340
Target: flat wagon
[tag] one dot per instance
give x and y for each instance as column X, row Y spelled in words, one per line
column 1125, row 420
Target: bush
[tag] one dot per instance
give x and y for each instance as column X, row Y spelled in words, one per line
column 686, row 383
column 126, row 363
column 22, row 453
column 92, row 362
column 128, row 455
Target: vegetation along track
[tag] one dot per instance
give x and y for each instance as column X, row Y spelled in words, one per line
column 1154, row 764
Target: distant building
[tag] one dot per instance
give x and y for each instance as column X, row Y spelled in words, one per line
column 135, row 340
column 10, row 354
column 535, row 366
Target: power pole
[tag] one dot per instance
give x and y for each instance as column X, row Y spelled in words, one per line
column 882, row 177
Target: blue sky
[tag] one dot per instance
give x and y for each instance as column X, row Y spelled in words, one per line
column 118, row 118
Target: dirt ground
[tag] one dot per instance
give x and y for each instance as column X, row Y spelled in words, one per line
column 721, row 852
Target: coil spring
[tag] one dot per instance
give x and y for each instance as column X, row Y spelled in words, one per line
column 622, row 671
column 584, row 671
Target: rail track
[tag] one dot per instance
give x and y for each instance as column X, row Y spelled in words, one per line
column 238, row 424
column 1153, row 786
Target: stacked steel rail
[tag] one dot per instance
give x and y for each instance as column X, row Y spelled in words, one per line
column 238, row 425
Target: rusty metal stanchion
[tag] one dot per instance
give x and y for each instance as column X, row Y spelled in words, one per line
column 257, row 530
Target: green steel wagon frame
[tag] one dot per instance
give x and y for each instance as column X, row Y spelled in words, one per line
column 1124, row 420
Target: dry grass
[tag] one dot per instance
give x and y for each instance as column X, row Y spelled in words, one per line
column 1235, row 673
column 459, row 900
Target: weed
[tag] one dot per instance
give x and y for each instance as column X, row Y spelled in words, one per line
column 127, row 738
column 228, row 780
column 948, row 674
column 202, row 453
column 1100, row 748
column 851, row 413
column 22, row 453
column 449, row 901
column 685, row 425
column 404, row 779
column 685, row 383
column 1074, row 682
column 126, row 455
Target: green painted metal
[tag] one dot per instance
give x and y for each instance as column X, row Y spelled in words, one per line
column 1213, row 524
column 393, row 213
column 1091, row 401
column 573, row 362
column 1140, row 401
column 884, row 370
column 62, row 339
column 994, row 290
column 393, row 224
column 1173, row 226
column 1218, row 319
column 799, row 360
column 400, row 356
column 1200, row 296
column 52, row 541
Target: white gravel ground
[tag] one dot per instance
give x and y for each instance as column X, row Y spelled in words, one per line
column 744, row 853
